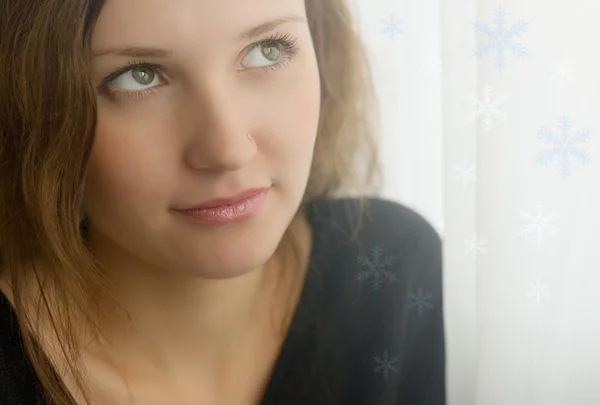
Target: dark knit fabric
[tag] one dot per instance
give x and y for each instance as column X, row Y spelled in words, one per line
column 368, row 329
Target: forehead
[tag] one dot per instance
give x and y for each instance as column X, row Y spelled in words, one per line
column 169, row 23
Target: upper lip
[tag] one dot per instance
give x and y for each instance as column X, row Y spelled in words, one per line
column 218, row 202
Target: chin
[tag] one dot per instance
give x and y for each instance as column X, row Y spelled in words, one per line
column 231, row 266
column 232, row 250
column 232, row 256
column 225, row 273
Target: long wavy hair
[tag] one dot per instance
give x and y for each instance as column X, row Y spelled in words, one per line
column 47, row 122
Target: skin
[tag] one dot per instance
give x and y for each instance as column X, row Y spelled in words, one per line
column 200, row 297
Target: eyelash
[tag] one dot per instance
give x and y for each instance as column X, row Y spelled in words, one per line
column 289, row 45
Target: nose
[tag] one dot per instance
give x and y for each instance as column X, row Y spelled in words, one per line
column 219, row 139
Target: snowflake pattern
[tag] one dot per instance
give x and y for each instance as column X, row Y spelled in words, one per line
column 564, row 145
column 539, row 223
column 501, row 39
column 465, row 173
column 475, row 246
column 538, row 291
column 419, row 301
column 386, row 364
column 392, row 26
column 561, row 75
column 488, row 107
column 376, row 269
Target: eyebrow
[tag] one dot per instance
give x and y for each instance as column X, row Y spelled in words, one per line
column 247, row 35
column 268, row 26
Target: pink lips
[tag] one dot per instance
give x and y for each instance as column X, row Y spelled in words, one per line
column 223, row 211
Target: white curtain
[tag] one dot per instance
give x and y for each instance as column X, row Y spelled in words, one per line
column 492, row 132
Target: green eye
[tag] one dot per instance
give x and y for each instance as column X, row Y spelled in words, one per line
column 143, row 75
column 263, row 55
column 271, row 52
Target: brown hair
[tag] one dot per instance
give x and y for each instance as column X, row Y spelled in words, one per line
column 47, row 121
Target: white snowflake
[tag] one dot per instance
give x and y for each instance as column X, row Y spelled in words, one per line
column 464, row 173
column 538, row 291
column 561, row 75
column 392, row 26
column 501, row 39
column 563, row 145
column 386, row 364
column 376, row 269
column 539, row 223
column 488, row 107
column 475, row 246
column 420, row 301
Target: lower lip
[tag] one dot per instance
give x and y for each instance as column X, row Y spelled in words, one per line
column 228, row 214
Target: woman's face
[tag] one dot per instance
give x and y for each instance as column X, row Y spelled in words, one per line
column 172, row 134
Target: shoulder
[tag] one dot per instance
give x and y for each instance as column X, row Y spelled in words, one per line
column 381, row 270
column 18, row 383
column 373, row 223
column 382, row 260
column 375, row 210
column 375, row 244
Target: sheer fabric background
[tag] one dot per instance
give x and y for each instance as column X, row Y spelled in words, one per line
column 491, row 123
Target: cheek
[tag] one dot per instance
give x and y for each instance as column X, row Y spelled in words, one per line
column 123, row 169
column 304, row 120
column 296, row 118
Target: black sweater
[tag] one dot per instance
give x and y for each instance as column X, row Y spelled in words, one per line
column 368, row 329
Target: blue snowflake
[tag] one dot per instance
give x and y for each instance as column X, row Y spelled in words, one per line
column 501, row 39
column 377, row 269
column 420, row 301
column 392, row 26
column 386, row 364
column 564, row 145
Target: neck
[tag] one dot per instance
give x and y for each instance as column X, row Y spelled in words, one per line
column 176, row 321
column 182, row 324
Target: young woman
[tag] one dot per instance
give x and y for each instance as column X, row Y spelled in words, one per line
column 172, row 229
